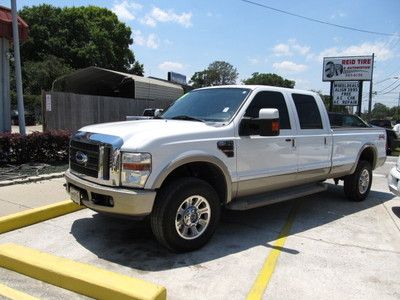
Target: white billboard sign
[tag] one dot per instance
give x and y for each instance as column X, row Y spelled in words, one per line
column 345, row 92
column 347, row 68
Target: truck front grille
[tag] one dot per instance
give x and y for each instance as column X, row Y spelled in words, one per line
column 85, row 158
column 96, row 157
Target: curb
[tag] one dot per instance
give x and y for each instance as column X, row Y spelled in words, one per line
column 75, row 276
column 36, row 215
column 32, row 179
column 10, row 293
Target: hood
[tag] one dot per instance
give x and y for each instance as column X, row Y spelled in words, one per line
column 141, row 133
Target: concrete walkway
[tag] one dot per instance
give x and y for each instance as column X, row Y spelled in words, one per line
column 19, row 197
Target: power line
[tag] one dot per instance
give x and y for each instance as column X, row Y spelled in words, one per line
column 392, row 89
column 318, row 21
column 387, row 87
column 386, row 79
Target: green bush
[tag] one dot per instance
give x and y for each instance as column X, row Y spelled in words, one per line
column 46, row 147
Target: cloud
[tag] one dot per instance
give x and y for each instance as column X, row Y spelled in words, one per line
column 157, row 15
column 290, row 48
column 382, row 52
column 151, row 41
column 282, row 50
column 170, row 66
column 289, row 66
column 300, row 49
column 126, row 10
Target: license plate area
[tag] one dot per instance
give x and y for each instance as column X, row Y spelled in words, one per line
column 75, row 195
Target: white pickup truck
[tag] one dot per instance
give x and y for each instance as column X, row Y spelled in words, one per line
column 238, row 147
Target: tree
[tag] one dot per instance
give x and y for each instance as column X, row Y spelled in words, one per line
column 217, row 73
column 269, row 79
column 41, row 74
column 80, row 36
column 380, row 111
column 395, row 113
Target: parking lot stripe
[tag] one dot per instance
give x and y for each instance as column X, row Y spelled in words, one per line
column 75, row 276
column 10, row 293
column 263, row 278
column 36, row 215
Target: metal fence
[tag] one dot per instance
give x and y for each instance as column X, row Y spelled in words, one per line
column 73, row 111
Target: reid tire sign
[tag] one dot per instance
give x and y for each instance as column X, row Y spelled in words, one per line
column 347, row 68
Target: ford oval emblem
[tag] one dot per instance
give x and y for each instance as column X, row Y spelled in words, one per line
column 81, row 158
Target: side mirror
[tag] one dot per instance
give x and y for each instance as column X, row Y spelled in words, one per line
column 158, row 112
column 268, row 119
column 267, row 123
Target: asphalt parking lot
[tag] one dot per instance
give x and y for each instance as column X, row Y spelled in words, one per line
column 335, row 249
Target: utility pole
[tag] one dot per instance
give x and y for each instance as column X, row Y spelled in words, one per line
column 370, row 89
column 398, row 107
column 17, row 64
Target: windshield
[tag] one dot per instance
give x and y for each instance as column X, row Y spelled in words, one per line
column 209, row 105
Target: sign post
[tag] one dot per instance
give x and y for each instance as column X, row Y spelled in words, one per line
column 359, row 98
column 370, row 89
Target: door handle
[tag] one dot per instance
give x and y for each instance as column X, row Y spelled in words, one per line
column 291, row 140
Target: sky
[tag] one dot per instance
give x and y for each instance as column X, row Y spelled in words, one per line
column 186, row 36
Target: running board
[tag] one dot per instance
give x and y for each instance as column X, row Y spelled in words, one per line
column 250, row 202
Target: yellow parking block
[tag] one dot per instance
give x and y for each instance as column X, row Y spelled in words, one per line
column 78, row 277
column 10, row 293
column 36, row 215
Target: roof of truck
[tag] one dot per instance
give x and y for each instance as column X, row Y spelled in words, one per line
column 267, row 87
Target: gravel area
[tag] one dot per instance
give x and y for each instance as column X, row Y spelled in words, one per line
column 10, row 172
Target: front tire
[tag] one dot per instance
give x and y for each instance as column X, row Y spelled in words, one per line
column 185, row 214
column 358, row 184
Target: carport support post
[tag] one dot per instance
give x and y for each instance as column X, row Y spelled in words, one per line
column 5, row 106
column 360, row 87
column 2, row 100
column 17, row 64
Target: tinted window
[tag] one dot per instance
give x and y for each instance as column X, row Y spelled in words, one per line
column 270, row 100
column 382, row 123
column 308, row 112
column 340, row 120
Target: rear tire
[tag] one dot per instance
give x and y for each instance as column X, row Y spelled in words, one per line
column 358, row 184
column 185, row 214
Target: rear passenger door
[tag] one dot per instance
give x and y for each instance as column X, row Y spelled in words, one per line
column 314, row 139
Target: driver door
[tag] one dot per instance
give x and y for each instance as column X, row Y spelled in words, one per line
column 267, row 162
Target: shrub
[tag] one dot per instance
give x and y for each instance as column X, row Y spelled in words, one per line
column 46, row 147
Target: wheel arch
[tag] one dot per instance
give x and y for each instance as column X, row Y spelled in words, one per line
column 205, row 165
column 369, row 153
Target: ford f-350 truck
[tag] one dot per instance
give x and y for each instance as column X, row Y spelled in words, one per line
column 238, row 147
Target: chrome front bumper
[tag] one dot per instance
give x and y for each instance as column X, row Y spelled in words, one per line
column 128, row 202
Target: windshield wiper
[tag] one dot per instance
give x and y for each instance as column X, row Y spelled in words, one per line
column 186, row 118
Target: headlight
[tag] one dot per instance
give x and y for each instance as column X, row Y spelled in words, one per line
column 135, row 169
